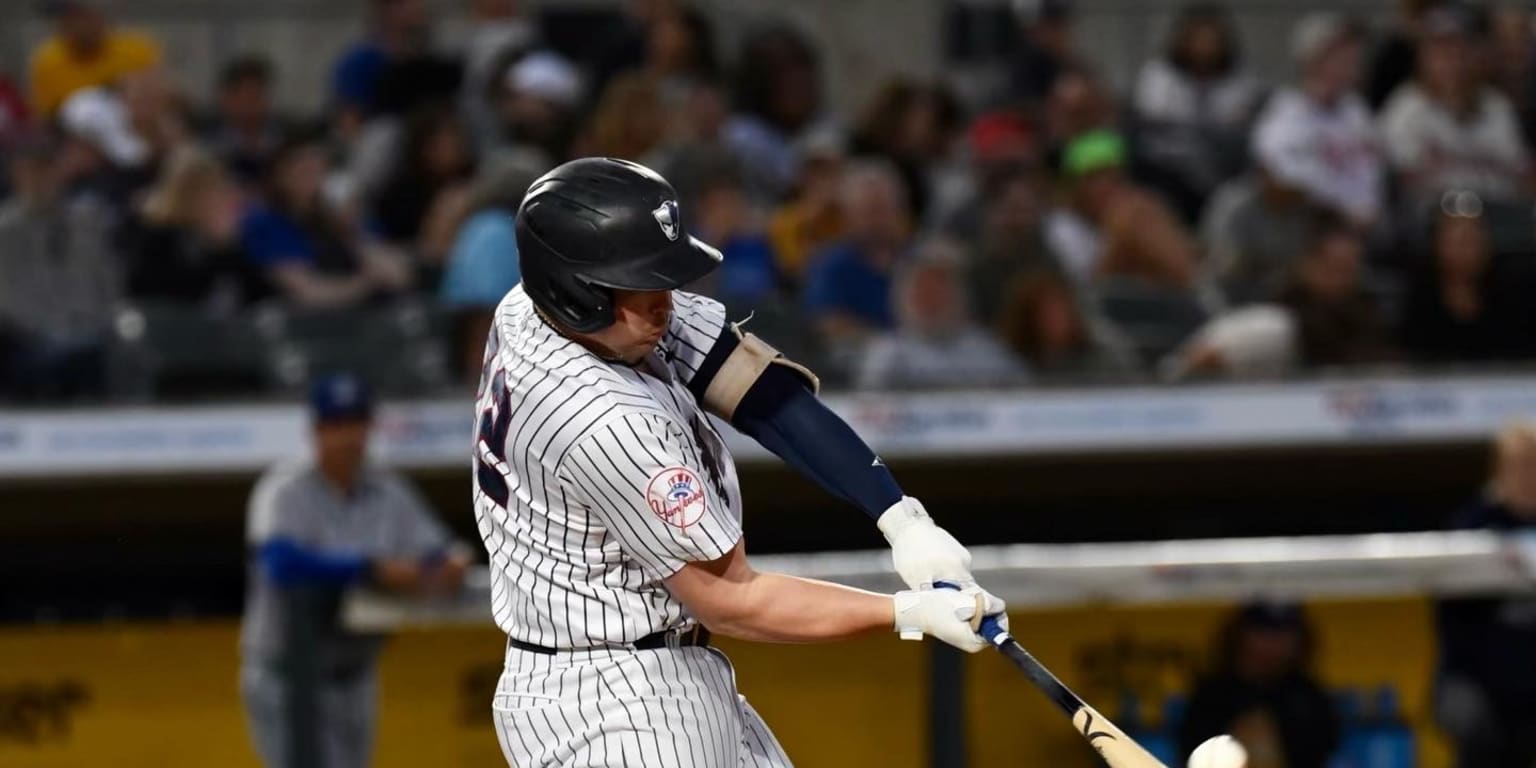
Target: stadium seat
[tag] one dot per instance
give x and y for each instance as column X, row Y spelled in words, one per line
column 1155, row 320
column 1511, row 228
column 173, row 350
column 399, row 347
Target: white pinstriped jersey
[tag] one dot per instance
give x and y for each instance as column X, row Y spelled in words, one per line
column 595, row 480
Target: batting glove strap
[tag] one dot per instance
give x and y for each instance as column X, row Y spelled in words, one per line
column 943, row 614
column 907, row 624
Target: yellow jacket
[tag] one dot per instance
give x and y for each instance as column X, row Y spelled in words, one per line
column 56, row 72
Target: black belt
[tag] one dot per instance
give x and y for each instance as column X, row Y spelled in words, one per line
column 694, row 637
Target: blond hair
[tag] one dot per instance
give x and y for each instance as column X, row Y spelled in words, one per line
column 178, row 190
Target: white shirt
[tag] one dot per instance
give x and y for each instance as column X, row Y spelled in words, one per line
column 971, row 358
column 1327, row 151
column 1440, row 151
column 1165, row 94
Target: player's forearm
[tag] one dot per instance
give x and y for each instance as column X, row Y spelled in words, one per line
column 289, row 564
column 775, row 608
column 785, row 417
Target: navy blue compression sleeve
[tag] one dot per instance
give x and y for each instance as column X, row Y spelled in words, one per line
column 785, row 416
column 289, row 564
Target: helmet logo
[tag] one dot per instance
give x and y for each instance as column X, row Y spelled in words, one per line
column 666, row 216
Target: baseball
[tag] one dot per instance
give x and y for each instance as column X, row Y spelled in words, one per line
column 1219, row 752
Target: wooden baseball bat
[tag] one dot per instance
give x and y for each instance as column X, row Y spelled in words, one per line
column 1117, row 749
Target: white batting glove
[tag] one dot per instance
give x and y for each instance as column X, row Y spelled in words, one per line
column 923, row 552
column 945, row 614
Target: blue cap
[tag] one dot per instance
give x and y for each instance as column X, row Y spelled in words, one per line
column 340, row 397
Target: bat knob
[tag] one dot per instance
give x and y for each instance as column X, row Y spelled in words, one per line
column 992, row 631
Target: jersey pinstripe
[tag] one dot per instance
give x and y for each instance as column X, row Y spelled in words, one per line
column 595, row 480
column 677, row 708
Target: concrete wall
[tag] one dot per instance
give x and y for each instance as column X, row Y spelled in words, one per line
column 863, row 40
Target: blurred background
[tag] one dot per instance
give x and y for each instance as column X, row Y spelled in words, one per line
column 1219, row 306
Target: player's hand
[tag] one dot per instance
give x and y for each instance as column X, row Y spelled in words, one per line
column 952, row 616
column 923, row 552
column 447, row 576
column 397, row 574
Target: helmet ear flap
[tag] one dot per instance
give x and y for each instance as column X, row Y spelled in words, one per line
column 590, row 312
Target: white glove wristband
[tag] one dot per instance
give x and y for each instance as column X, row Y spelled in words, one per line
column 906, row 626
column 901, row 516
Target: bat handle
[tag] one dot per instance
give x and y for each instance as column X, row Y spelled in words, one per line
column 990, row 630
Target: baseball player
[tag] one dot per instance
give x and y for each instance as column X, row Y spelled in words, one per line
column 316, row 527
column 610, row 507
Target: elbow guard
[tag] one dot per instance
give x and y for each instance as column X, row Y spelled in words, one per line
column 733, row 365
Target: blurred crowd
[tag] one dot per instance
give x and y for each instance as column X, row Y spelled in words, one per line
column 1373, row 205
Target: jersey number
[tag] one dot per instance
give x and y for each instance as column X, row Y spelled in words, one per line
column 494, row 423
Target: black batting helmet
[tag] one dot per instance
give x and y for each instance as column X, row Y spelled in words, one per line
column 595, row 224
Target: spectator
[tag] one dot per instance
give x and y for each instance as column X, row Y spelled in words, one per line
column 315, row 528
column 680, row 47
column 15, row 127
column 672, row 42
column 748, row 277
column 184, row 243
column 1079, row 102
column 497, row 29
column 430, row 181
column 1001, row 144
column 778, row 100
column 1318, row 136
column 1394, row 60
column 1043, row 50
column 1513, row 65
column 812, row 218
column 910, row 125
column 1010, row 241
column 1192, row 106
column 398, row 30
column 483, row 263
column 624, row 45
column 536, row 102
column 15, row 118
column 245, row 130
column 59, row 281
column 1042, row 322
column 695, row 136
column 1261, row 691
column 85, row 51
column 1255, row 229
column 1113, row 227
column 936, row 343
column 1336, row 322
column 848, row 285
column 307, row 251
column 1446, row 130
column 628, row 122
column 1485, row 694
column 379, row 83
column 133, row 125
column 1462, row 306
